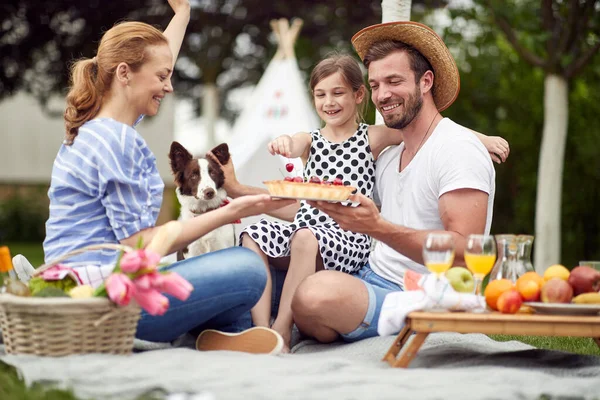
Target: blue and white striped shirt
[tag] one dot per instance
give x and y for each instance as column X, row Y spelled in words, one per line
column 104, row 188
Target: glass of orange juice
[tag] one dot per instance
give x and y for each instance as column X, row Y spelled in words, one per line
column 438, row 252
column 480, row 256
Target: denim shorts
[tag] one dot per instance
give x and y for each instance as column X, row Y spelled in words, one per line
column 378, row 288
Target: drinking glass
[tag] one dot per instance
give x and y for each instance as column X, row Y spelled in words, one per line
column 438, row 252
column 480, row 256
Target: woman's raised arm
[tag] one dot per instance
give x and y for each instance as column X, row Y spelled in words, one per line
column 176, row 29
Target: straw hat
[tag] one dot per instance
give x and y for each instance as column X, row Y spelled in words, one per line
column 446, row 84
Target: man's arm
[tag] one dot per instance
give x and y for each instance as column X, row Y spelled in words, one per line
column 462, row 212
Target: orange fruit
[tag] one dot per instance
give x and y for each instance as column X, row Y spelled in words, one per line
column 533, row 276
column 529, row 286
column 494, row 289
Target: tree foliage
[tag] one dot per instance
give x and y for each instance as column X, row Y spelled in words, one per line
column 501, row 94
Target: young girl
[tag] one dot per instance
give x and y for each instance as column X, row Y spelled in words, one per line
column 344, row 148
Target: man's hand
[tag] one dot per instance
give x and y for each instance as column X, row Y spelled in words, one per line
column 362, row 218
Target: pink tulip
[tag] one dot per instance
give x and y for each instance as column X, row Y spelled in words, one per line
column 134, row 261
column 152, row 301
column 119, row 288
column 172, row 283
column 152, row 280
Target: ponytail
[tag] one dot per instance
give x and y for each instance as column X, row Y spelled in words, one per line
column 83, row 99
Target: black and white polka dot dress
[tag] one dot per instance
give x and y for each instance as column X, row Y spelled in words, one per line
column 341, row 250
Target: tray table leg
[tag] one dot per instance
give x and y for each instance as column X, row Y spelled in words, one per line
column 395, row 348
column 410, row 351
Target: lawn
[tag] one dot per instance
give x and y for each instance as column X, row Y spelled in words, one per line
column 33, row 251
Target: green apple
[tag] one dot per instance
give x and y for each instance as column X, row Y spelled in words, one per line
column 461, row 279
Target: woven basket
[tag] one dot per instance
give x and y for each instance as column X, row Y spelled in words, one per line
column 62, row 326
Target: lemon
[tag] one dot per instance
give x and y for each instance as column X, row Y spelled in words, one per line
column 81, row 292
column 557, row 271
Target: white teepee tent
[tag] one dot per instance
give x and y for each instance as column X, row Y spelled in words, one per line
column 279, row 105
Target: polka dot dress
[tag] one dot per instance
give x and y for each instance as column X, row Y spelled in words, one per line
column 341, row 250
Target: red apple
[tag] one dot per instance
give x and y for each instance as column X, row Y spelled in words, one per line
column 584, row 279
column 509, row 302
column 557, row 290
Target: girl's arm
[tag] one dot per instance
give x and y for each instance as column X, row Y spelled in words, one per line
column 291, row 146
column 380, row 137
column 176, row 29
column 498, row 147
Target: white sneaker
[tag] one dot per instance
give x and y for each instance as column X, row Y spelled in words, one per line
column 257, row 340
column 23, row 268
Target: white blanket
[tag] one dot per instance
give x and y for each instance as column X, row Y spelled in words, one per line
column 448, row 366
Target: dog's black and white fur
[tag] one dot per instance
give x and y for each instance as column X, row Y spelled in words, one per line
column 200, row 189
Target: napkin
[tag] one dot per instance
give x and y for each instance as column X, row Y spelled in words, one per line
column 427, row 292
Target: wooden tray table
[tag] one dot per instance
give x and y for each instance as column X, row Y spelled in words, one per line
column 421, row 324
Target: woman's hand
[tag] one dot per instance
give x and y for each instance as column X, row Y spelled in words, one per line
column 497, row 147
column 179, row 5
column 282, row 145
column 246, row 206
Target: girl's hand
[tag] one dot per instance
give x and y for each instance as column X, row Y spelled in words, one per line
column 497, row 147
column 179, row 5
column 230, row 179
column 281, row 145
column 246, row 206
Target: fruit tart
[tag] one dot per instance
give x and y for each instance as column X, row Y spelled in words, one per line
column 314, row 189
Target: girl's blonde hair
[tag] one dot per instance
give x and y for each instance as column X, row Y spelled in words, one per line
column 91, row 78
column 350, row 70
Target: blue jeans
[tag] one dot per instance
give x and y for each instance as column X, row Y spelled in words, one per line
column 378, row 288
column 227, row 284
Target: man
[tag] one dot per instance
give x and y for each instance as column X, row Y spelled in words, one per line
column 440, row 179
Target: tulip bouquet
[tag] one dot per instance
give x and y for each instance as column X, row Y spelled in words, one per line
column 137, row 276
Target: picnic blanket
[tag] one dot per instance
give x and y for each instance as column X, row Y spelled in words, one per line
column 448, row 366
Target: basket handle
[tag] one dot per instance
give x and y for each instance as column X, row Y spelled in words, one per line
column 109, row 246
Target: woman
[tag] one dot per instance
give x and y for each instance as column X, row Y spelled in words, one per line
column 105, row 186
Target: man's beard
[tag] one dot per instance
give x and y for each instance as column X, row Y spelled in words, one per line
column 412, row 107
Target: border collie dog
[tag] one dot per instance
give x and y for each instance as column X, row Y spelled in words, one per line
column 200, row 189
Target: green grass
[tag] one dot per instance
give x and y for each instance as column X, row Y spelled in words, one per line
column 577, row 345
column 13, row 387
column 33, row 251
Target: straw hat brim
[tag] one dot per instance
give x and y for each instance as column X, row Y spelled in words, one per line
column 446, row 84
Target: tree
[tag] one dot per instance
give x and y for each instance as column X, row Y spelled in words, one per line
column 562, row 42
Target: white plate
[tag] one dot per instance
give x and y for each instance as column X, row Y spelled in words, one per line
column 312, row 199
column 564, row 309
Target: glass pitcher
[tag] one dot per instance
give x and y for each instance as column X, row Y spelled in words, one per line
column 506, row 266
column 524, row 246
